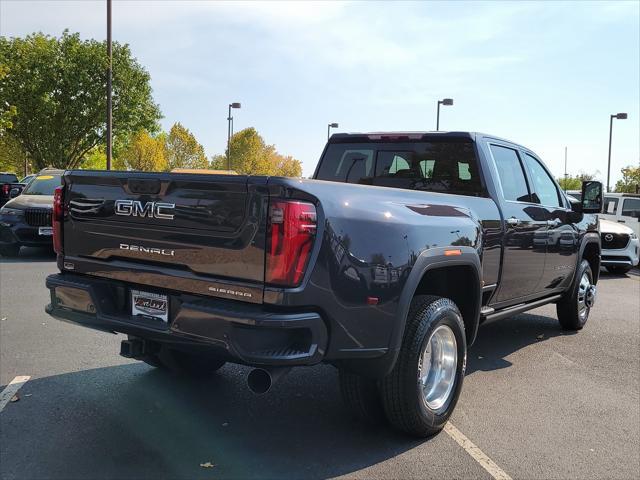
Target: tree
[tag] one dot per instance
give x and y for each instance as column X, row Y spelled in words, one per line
column 58, row 88
column 144, row 153
column 575, row 183
column 182, row 150
column 630, row 182
column 250, row 155
column 12, row 157
column 7, row 111
column 95, row 159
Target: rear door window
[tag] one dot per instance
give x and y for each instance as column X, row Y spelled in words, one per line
column 511, row 173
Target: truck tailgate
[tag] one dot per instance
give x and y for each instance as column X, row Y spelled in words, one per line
column 195, row 233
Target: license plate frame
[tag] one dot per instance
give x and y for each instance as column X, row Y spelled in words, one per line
column 150, row 305
column 45, row 231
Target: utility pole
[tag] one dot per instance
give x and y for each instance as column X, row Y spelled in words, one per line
column 109, row 103
column 565, row 169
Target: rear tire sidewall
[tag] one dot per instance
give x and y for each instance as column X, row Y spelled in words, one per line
column 452, row 319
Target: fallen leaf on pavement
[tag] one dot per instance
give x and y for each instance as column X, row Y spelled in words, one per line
column 540, row 337
column 207, row 465
column 15, row 398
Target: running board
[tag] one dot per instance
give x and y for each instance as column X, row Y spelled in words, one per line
column 516, row 309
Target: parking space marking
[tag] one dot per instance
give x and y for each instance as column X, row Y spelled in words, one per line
column 478, row 455
column 11, row 389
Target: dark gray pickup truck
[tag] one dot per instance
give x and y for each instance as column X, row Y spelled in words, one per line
column 384, row 264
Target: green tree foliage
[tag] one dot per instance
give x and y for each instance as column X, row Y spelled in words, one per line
column 58, row 88
column 95, row 159
column 182, row 150
column 630, row 182
column 12, row 156
column 143, row 153
column 7, row 111
column 575, row 183
column 250, row 155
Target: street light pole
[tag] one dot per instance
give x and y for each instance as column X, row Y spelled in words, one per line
column 619, row 116
column 229, row 133
column 109, row 101
column 445, row 101
column 329, row 127
column 565, row 169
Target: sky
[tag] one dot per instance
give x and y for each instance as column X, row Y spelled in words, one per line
column 543, row 74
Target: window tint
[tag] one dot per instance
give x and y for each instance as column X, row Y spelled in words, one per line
column 8, row 178
column 610, row 205
column 442, row 166
column 543, row 184
column 43, row 185
column 350, row 165
column 631, row 207
column 512, row 179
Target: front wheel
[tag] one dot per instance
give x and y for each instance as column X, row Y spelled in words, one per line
column 574, row 307
column 422, row 390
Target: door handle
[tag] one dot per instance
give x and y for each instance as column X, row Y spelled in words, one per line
column 621, row 221
column 513, row 221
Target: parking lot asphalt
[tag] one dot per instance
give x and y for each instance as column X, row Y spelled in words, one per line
column 540, row 402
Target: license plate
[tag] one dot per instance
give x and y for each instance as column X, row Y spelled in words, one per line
column 150, row 305
column 45, row 230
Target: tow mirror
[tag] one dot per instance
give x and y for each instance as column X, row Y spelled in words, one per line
column 592, row 199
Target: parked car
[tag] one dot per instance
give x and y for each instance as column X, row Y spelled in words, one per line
column 8, row 182
column 25, row 221
column 621, row 208
column 620, row 246
column 383, row 265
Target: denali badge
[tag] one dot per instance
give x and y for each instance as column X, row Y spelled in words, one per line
column 135, row 208
column 140, row 248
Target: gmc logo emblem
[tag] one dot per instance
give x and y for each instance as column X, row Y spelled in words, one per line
column 135, row 208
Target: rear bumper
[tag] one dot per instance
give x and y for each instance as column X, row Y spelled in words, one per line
column 247, row 334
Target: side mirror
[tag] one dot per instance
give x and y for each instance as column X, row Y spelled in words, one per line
column 592, row 198
column 15, row 192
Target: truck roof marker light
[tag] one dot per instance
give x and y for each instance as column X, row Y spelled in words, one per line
column 453, row 252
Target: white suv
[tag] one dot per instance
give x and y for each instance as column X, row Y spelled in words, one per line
column 620, row 246
column 619, row 207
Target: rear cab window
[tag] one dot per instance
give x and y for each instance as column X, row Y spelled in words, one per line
column 448, row 166
column 631, row 207
column 8, row 178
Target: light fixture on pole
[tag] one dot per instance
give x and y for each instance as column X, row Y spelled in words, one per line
column 329, row 127
column 230, row 119
column 445, row 101
column 109, row 101
column 619, row 116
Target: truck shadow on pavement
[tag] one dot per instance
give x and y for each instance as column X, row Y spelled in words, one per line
column 31, row 254
column 136, row 422
column 497, row 340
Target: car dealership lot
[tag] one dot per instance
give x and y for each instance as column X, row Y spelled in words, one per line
column 539, row 402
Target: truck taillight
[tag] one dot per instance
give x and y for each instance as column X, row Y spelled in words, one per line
column 6, row 188
column 58, row 218
column 291, row 232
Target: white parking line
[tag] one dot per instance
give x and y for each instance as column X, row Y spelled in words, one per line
column 478, row 455
column 11, row 389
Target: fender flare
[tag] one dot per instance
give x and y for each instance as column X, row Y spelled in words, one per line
column 589, row 237
column 428, row 260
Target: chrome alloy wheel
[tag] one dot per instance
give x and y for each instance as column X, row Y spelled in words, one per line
column 586, row 296
column 437, row 367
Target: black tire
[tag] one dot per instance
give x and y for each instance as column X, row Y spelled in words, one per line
column 184, row 363
column 567, row 307
column 362, row 398
column 618, row 269
column 10, row 250
column 402, row 399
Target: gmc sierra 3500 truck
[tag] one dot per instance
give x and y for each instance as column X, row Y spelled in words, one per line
column 383, row 265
